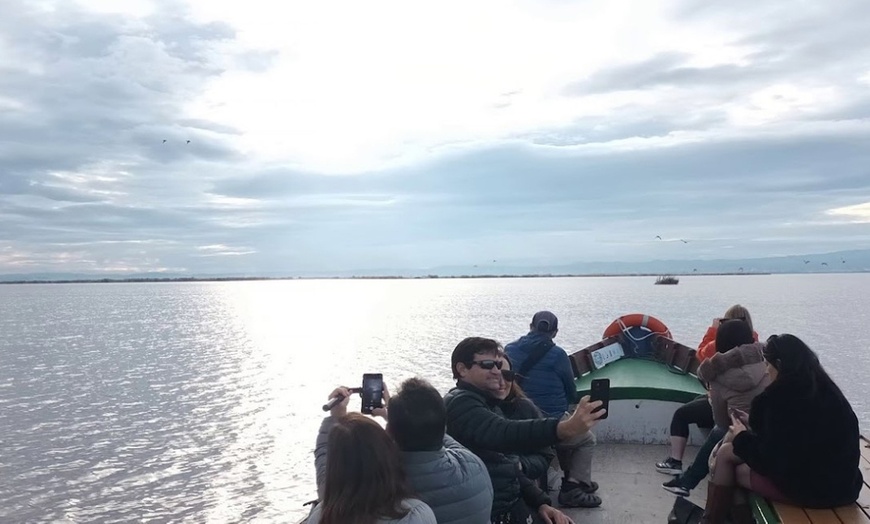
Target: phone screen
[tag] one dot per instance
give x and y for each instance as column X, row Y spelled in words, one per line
column 600, row 390
column 372, row 392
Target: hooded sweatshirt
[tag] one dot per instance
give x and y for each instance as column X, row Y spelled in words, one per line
column 736, row 377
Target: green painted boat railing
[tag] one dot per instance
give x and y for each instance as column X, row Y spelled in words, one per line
column 642, row 379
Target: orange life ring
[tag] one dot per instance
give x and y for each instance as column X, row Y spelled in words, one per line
column 636, row 320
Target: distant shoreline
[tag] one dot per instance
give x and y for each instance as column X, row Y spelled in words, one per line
column 386, row 277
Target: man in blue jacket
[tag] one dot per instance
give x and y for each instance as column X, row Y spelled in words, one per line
column 548, row 379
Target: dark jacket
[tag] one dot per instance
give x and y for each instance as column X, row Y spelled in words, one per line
column 735, row 378
column 550, row 382
column 476, row 421
column 453, row 481
column 805, row 442
column 533, row 466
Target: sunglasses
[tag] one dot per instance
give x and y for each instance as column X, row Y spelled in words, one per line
column 488, row 364
column 510, row 376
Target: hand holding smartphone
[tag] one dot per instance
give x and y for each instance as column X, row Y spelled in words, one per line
column 600, row 390
column 372, row 392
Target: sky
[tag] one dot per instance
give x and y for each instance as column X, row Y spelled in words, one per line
column 334, row 136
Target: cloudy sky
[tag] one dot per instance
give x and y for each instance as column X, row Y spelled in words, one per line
column 351, row 135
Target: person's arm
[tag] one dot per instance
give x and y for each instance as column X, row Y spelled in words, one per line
column 532, row 494
column 566, row 374
column 720, row 408
column 473, row 424
column 320, row 453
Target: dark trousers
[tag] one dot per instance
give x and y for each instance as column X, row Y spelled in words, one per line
column 701, row 465
column 520, row 513
column 698, row 412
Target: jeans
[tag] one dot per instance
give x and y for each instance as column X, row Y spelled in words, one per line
column 700, row 467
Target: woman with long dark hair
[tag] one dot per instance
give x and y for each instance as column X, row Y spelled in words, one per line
column 360, row 477
column 801, row 442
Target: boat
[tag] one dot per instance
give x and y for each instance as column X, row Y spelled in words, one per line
column 667, row 280
column 651, row 375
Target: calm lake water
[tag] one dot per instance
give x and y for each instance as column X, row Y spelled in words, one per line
column 199, row 402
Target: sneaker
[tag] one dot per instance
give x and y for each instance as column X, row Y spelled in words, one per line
column 674, row 487
column 573, row 495
column 671, row 466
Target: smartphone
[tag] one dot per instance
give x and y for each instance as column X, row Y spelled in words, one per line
column 372, row 392
column 600, row 390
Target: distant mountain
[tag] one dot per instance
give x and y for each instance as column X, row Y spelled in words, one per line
column 841, row 261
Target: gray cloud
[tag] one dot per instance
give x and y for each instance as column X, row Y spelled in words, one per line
column 86, row 181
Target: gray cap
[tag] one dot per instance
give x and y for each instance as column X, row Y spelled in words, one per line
column 545, row 322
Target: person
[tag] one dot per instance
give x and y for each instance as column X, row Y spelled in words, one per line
column 545, row 373
column 800, row 445
column 735, row 375
column 452, row 480
column 475, row 421
column 698, row 411
column 533, row 465
column 360, row 478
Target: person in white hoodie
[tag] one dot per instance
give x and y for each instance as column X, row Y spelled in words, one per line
column 360, row 476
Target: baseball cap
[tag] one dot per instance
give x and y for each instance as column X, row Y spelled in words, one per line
column 545, row 322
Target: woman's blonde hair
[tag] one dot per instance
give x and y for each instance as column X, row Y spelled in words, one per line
column 739, row 312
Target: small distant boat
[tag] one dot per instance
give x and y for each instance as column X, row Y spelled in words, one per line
column 667, row 280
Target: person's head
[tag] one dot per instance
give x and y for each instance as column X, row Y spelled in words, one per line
column 417, row 417
column 544, row 322
column 789, row 359
column 504, row 387
column 365, row 479
column 733, row 333
column 738, row 312
column 476, row 361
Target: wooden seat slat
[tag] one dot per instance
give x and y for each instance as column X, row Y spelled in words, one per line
column 789, row 514
column 823, row 516
column 852, row 514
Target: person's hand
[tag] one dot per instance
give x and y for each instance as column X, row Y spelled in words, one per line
column 716, row 322
column 551, row 515
column 737, row 426
column 340, row 409
column 741, row 415
column 382, row 412
column 582, row 420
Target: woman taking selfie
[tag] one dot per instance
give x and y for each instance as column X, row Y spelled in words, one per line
column 801, row 442
column 360, row 478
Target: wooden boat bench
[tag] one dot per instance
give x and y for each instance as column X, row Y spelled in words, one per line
column 767, row 512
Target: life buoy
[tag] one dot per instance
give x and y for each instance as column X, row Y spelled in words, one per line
column 636, row 320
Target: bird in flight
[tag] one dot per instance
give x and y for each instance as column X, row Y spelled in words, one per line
column 658, row 237
column 696, row 269
column 824, row 263
column 684, row 241
column 188, row 141
column 741, row 269
column 806, row 261
column 843, row 261
column 164, row 140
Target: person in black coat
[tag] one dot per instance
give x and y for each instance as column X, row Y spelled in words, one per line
column 475, row 420
column 801, row 445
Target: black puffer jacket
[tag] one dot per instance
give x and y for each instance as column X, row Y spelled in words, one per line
column 534, row 466
column 805, row 442
column 475, row 420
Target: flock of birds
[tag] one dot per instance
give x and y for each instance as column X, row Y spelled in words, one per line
column 164, row 141
column 842, row 260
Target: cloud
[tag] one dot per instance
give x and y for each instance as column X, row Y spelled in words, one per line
column 549, row 131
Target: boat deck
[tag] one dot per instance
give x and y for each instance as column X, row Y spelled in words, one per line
column 630, row 486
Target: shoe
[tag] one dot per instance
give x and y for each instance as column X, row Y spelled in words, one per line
column 719, row 502
column 671, row 466
column 573, row 495
column 591, row 487
column 674, row 487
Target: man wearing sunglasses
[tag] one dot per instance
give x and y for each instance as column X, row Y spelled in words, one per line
column 475, row 421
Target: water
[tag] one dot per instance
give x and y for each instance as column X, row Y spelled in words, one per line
column 199, row 402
